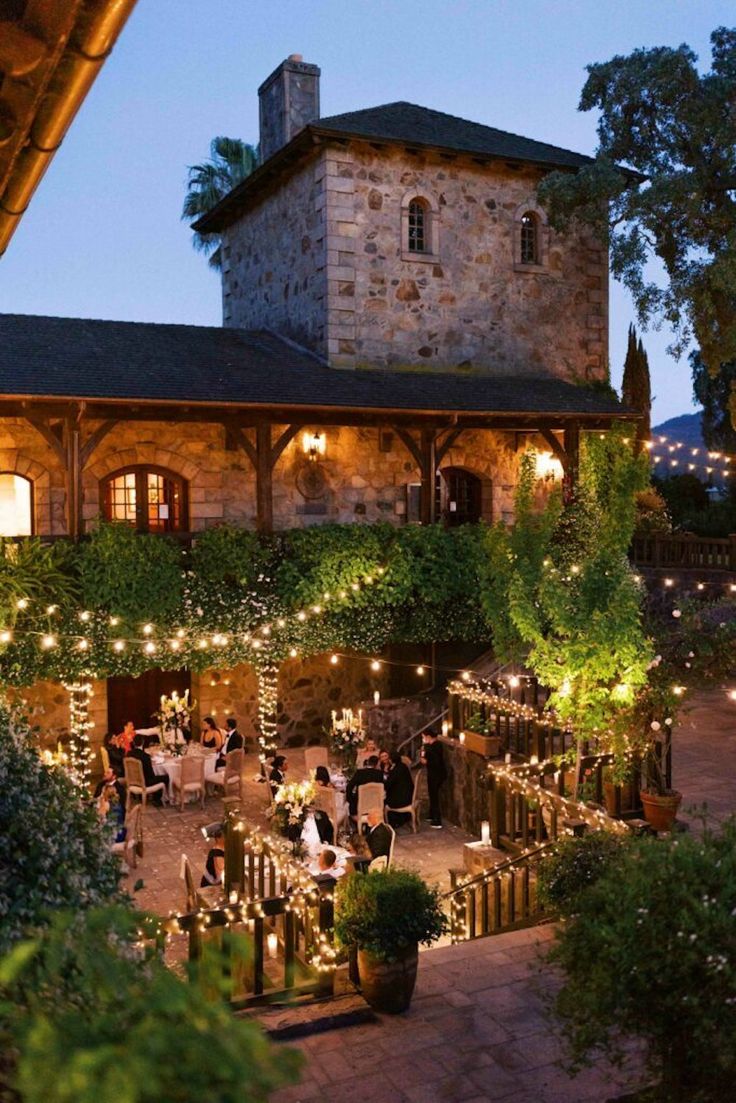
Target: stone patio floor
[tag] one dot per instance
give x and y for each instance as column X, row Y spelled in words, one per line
column 477, row 1029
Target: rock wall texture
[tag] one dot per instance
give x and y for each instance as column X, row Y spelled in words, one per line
column 336, row 230
column 364, row 475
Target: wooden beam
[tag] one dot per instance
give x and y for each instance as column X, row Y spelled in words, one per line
column 286, row 437
column 264, row 479
column 555, row 445
column 241, row 441
column 410, row 444
column 571, row 438
column 447, row 443
column 73, row 477
column 429, row 469
column 54, row 441
column 94, row 439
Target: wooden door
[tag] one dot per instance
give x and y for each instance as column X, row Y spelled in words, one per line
column 138, row 699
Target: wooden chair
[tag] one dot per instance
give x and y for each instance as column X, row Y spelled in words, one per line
column 191, row 779
column 136, row 784
column 132, row 845
column 390, row 860
column 325, row 801
column 193, row 899
column 413, row 808
column 231, row 777
column 379, row 864
column 104, row 759
column 314, row 757
column 370, row 796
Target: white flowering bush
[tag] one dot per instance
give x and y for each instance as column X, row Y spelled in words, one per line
column 650, row 954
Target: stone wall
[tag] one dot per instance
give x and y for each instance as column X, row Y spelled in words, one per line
column 464, row 798
column 273, row 274
column 333, row 231
column 363, row 477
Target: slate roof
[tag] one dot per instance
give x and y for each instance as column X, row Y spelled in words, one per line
column 403, row 122
column 102, row 360
column 422, row 126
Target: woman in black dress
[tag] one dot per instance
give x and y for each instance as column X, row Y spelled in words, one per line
column 278, row 772
column 399, row 791
column 215, row 864
column 210, row 736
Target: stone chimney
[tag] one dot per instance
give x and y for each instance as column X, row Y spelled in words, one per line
column 288, row 100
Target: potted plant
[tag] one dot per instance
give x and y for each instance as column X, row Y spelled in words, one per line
column 660, row 803
column 479, row 737
column 385, row 916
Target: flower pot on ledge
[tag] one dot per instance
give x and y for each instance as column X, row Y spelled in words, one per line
column 487, row 745
column 660, row 810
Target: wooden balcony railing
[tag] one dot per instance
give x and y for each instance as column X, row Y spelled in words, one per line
column 685, row 551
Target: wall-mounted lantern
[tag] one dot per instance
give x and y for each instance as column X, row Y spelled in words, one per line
column 314, row 445
column 547, row 467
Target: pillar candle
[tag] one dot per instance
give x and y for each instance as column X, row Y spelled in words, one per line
column 485, row 832
column 273, row 945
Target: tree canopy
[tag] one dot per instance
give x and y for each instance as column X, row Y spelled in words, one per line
column 230, row 161
column 715, row 393
column 676, row 129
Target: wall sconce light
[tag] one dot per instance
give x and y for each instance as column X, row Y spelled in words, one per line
column 547, row 467
column 314, row 445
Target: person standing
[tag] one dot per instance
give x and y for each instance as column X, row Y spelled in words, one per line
column 434, row 763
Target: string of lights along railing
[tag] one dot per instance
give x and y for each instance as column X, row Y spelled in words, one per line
column 677, row 454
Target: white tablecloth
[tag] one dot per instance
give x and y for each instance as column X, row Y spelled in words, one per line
column 172, row 766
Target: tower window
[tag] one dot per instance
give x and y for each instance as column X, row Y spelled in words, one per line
column 418, row 239
column 529, row 251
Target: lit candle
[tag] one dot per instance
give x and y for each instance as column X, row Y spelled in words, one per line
column 233, row 897
column 508, row 757
column 376, row 697
column 273, row 945
column 445, row 727
column 462, row 737
column 485, row 832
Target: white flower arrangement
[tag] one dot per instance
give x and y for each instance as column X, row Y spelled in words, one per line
column 174, row 718
column 292, row 801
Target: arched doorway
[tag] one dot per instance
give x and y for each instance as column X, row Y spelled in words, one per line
column 152, row 499
column 138, row 699
column 459, row 496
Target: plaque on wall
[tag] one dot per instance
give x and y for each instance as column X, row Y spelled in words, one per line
column 311, row 481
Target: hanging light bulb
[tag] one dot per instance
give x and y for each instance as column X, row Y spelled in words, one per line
column 150, row 647
column 147, row 629
column 51, row 609
column 119, row 645
column 22, row 603
column 334, row 660
column 85, row 615
column 420, row 671
column 114, row 621
column 293, row 653
column 48, row 641
column 375, row 665
column 83, row 645
column 6, row 636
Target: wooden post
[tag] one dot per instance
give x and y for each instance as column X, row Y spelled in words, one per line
column 73, row 477
column 571, row 444
column 428, row 473
column 264, row 478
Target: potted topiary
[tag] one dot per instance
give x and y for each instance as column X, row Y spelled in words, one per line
column 660, row 803
column 385, row 916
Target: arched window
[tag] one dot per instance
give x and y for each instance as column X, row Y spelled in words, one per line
column 150, row 498
column 16, row 505
column 418, row 227
column 458, row 496
column 529, row 239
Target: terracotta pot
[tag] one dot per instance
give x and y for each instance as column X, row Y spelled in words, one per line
column 660, row 811
column 609, row 796
column 388, row 985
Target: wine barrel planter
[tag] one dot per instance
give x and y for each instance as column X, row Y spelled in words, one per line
column 660, row 811
column 388, row 986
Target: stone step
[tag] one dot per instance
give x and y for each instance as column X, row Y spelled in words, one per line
column 300, row 1020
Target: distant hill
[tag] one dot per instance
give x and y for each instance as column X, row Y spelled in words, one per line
column 684, row 427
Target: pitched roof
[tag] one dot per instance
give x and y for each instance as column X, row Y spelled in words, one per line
column 80, row 358
column 403, row 122
column 422, row 126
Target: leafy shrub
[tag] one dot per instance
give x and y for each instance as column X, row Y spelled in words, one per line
column 53, row 852
column 650, row 955
column 90, row 1019
column 135, row 576
column 574, row 867
column 386, row 913
column 651, row 513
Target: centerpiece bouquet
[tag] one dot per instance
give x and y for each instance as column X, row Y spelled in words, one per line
column 174, row 719
column 347, row 734
column 290, row 807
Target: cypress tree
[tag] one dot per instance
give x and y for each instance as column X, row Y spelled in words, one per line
column 636, row 390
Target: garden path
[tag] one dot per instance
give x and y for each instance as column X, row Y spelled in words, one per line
column 704, row 753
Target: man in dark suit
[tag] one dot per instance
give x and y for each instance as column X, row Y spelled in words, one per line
column 434, row 763
column 363, row 776
column 378, row 837
column 233, row 741
column 150, row 777
column 399, row 791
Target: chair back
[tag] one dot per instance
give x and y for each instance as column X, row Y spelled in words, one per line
column 379, row 864
column 325, row 801
column 134, row 831
column 134, row 773
column 233, row 764
column 104, row 759
column 390, row 861
column 192, row 771
column 189, row 883
column 371, row 796
column 314, row 757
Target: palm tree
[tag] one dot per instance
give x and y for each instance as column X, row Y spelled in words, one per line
column 231, row 160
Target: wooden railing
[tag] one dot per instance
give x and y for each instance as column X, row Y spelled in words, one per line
column 282, row 917
column 501, row 899
column 685, row 551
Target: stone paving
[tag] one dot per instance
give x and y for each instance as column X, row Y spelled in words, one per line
column 477, row 1029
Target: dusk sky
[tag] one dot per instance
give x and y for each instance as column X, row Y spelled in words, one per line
column 103, row 238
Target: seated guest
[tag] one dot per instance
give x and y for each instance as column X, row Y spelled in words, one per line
column 368, row 750
column 328, row 870
column 124, row 741
column 363, row 776
column 384, row 763
column 114, row 753
column 322, row 777
column 150, row 777
column 215, row 864
column 110, row 802
column 278, row 772
column 233, row 741
column 110, row 787
column 210, row 736
column 399, row 790
column 378, row 837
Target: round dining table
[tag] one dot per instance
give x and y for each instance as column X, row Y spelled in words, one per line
column 168, row 764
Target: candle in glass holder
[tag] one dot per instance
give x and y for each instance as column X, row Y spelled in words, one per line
column 508, row 757
column 485, row 832
column 445, row 727
column 376, row 697
column 461, row 737
column 233, row 897
column 273, row 945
